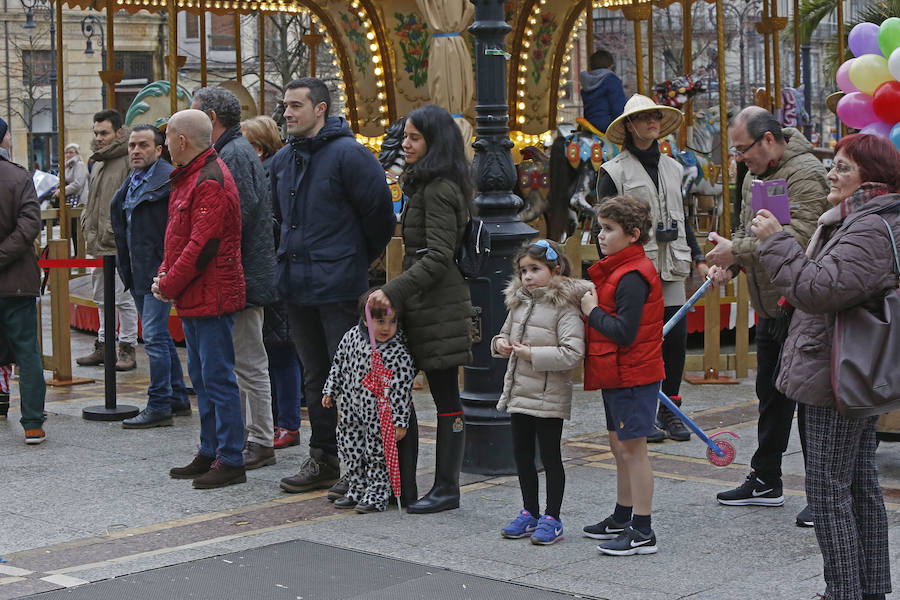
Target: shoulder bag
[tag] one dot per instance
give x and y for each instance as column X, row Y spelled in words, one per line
column 866, row 354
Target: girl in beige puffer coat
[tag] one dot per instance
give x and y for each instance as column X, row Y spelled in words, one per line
column 543, row 337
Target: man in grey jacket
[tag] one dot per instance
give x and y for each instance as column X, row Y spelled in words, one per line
column 770, row 153
column 258, row 259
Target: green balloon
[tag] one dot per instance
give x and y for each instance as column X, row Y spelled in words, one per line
column 889, row 35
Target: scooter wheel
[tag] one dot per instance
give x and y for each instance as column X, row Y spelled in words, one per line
column 721, row 461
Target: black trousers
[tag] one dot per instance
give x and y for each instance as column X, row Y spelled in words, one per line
column 776, row 411
column 674, row 347
column 444, row 386
column 317, row 331
column 548, row 432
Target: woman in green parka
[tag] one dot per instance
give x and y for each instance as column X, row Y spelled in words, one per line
column 431, row 294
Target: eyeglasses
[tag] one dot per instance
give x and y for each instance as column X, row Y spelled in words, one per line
column 742, row 151
column 842, row 168
column 648, row 115
column 550, row 252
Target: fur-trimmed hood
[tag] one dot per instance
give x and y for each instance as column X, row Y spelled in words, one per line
column 559, row 291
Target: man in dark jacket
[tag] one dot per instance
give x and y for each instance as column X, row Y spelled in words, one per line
column 201, row 273
column 20, row 283
column 139, row 213
column 770, row 153
column 336, row 216
column 251, row 364
column 602, row 93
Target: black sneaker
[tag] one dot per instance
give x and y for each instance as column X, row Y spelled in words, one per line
column 339, row 489
column 753, row 492
column 607, row 529
column 657, row 437
column 672, row 425
column 805, row 518
column 631, row 541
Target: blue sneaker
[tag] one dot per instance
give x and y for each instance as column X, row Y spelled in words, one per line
column 549, row 531
column 522, row 526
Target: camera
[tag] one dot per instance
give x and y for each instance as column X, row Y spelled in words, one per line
column 666, row 234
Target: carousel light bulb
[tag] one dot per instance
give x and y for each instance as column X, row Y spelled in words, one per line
column 523, row 68
column 376, row 59
column 379, row 83
column 354, row 5
column 521, row 81
column 370, row 35
column 382, row 108
column 384, row 122
column 520, row 106
column 521, row 93
column 526, row 44
column 380, row 95
column 373, row 47
column 342, row 98
column 378, row 71
column 341, row 86
column 521, row 119
column 532, row 20
column 562, row 83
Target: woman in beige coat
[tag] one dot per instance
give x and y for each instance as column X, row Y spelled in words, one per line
column 543, row 337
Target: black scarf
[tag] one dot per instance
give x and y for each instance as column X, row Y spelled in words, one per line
column 649, row 158
column 229, row 134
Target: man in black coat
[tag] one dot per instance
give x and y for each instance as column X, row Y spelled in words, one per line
column 20, row 283
column 139, row 213
column 336, row 216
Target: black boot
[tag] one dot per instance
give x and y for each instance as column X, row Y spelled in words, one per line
column 408, row 453
column 444, row 495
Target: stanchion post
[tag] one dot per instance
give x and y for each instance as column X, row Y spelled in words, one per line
column 110, row 411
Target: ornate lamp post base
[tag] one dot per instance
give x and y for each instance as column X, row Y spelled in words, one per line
column 488, row 433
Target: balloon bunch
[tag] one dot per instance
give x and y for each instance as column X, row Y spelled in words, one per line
column 871, row 82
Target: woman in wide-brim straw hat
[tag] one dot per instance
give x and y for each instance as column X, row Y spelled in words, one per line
column 642, row 172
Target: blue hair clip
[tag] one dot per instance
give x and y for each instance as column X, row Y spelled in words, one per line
column 551, row 253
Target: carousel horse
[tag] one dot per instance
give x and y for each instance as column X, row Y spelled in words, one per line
column 533, row 183
column 793, row 108
column 392, row 161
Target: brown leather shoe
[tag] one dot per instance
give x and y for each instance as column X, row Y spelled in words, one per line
column 220, row 475
column 257, row 455
column 94, row 358
column 200, row 465
column 125, row 360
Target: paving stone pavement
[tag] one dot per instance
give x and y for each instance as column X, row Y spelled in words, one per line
column 95, row 502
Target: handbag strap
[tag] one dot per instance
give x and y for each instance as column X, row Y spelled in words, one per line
column 893, row 245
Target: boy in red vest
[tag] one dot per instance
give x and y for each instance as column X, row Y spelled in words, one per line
column 624, row 359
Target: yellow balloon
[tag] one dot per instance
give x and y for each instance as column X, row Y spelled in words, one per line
column 868, row 72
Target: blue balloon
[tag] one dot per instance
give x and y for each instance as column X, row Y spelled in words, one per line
column 895, row 135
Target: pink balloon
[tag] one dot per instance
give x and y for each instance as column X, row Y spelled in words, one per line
column 843, row 77
column 863, row 39
column 855, row 110
column 879, row 128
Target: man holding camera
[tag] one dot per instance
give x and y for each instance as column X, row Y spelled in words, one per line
column 770, row 153
column 643, row 172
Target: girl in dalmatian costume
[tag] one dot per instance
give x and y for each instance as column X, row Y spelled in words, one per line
column 359, row 430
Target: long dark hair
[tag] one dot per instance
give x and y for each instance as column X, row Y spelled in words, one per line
column 445, row 156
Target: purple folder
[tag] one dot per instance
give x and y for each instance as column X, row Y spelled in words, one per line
column 773, row 196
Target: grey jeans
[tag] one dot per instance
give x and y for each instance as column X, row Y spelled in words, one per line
column 251, row 366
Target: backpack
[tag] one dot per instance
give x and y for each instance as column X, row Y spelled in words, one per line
column 475, row 250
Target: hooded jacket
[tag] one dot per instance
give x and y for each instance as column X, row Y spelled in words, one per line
column 202, row 264
column 434, row 296
column 852, row 263
column 549, row 320
column 110, row 170
column 76, row 179
column 602, row 96
column 807, row 190
column 257, row 243
column 20, row 225
column 335, row 213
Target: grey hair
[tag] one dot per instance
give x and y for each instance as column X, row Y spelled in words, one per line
column 758, row 121
column 74, row 146
column 225, row 104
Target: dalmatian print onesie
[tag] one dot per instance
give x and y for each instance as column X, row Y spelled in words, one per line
column 359, row 430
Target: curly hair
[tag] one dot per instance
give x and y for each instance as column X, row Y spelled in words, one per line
column 539, row 253
column 629, row 213
column 225, row 104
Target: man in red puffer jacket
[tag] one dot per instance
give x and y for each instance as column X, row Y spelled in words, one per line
column 201, row 273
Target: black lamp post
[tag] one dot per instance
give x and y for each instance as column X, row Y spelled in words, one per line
column 29, row 6
column 92, row 26
column 488, row 433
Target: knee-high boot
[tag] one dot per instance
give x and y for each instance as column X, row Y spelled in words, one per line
column 444, row 495
column 408, row 454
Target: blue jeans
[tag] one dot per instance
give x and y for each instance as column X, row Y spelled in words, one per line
column 167, row 390
column 211, row 367
column 284, row 373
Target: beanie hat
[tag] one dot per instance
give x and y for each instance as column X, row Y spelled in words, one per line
column 4, row 128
